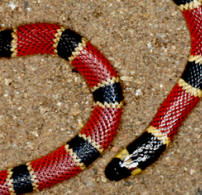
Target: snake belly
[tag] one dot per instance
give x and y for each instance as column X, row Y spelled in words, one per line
column 78, row 153
column 184, row 96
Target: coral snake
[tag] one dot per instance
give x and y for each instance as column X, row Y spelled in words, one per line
column 94, row 138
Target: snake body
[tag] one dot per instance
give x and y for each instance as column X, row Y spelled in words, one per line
column 184, row 96
column 78, row 153
column 93, row 139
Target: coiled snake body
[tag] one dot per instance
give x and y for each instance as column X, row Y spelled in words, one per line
column 93, row 139
column 100, row 129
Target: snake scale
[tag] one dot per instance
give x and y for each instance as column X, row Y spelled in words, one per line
column 103, row 81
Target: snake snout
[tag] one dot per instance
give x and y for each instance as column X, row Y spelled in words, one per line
column 115, row 172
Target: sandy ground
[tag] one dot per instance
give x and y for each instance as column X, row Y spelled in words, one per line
column 43, row 103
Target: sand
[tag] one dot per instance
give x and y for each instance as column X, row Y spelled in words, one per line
column 43, row 103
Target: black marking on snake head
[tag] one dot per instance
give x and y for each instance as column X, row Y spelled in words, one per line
column 145, row 150
column 115, row 172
